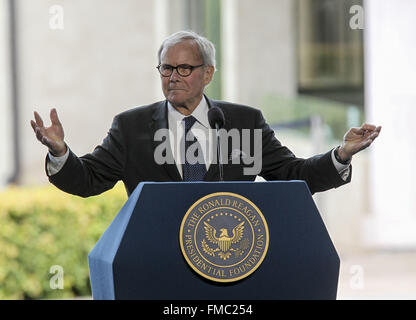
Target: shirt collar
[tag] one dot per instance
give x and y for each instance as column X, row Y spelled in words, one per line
column 200, row 113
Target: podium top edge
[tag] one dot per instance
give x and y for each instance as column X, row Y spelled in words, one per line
column 224, row 182
column 289, row 183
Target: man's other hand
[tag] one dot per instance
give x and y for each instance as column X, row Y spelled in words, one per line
column 357, row 139
column 53, row 136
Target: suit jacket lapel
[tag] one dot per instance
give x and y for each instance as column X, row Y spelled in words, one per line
column 160, row 121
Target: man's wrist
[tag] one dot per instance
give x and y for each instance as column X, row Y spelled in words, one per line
column 341, row 156
column 59, row 153
column 55, row 164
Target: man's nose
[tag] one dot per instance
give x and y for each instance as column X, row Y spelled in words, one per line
column 175, row 75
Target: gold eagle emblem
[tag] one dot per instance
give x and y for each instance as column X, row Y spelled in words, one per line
column 223, row 241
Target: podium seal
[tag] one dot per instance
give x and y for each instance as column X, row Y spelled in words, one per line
column 224, row 237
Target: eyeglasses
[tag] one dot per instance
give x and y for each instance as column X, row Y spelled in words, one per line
column 184, row 70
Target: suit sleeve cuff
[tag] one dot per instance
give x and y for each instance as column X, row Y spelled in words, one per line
column 343, row 169
column 55, row 164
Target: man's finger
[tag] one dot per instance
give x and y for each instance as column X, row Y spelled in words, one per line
column 54, row 117
column 33, row 124
column 38, row 119
column 370, row 139
column 368, row 127
column 365, row 129
column 374, row 135
column 358, row 131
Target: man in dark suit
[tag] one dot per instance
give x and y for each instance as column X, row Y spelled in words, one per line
column 128, row 153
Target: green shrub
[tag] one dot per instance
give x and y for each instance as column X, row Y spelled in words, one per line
column 43, row 227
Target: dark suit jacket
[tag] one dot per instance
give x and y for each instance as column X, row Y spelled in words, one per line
column 127, row 154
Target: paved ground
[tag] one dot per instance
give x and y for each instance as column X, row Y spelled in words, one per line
column 378, row 275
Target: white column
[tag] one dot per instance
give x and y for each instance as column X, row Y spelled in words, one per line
column 161, row 18
column 6, row 150
column 229, row 38
column 390, row 53
column 259, row 49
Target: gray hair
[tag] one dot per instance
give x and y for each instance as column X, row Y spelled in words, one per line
column 206, row 47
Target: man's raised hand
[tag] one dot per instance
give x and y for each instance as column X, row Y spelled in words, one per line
column 53, row 136
column 357, row 139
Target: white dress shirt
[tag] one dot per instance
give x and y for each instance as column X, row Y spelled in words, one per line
column 200, row 130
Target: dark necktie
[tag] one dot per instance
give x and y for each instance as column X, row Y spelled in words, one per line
column 192, row 171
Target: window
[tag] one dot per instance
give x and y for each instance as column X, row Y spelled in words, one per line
column 330, row 53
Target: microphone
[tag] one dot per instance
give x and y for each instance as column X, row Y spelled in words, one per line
column 216, row 121
column 216, row 118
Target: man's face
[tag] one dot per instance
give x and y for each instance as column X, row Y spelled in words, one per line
column 185, row 92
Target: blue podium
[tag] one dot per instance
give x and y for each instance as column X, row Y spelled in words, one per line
column 141, row 254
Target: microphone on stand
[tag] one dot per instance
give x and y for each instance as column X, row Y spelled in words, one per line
column 216, row 121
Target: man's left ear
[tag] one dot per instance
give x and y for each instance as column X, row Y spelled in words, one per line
column 209, row 73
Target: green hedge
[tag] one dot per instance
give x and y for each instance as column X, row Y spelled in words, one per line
column 43, row 227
